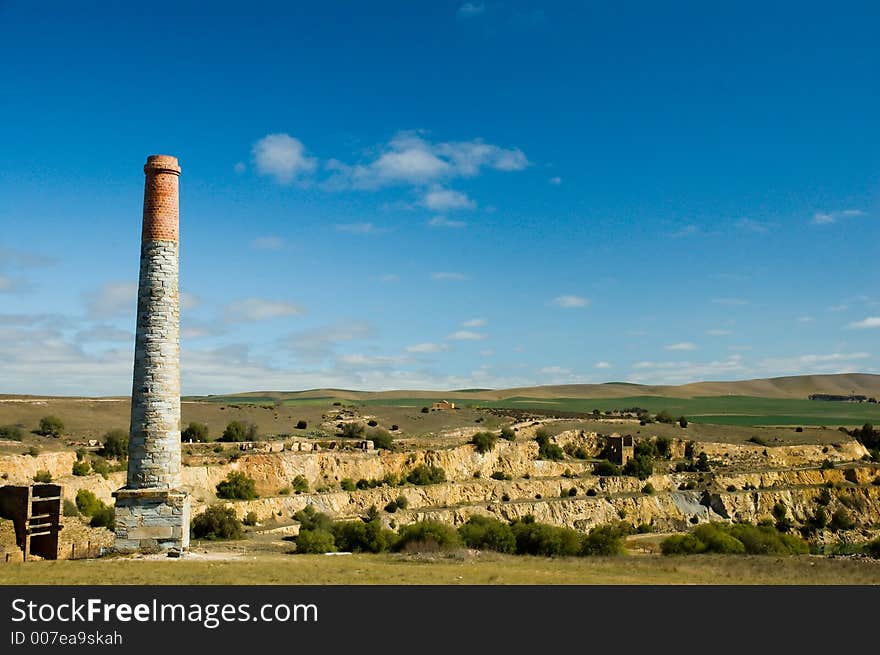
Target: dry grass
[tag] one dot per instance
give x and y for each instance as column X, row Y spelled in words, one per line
column 456, row 569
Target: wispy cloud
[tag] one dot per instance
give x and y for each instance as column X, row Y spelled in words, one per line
column 603, row 365
column 570, row 301
column 684, row 345
column 282, row 157
column 687, row 231
column 554, row 370
column 360, row 228
column 804, row 319
column 439, row 199
column 258, row 309
column 239, row 167
column 555, row 181
column 475, row 322
column 471, row 10
column 826, row 218
column 448, row 276
column 10, row 284
column 427, row 348
column 750, row 225
column 442, row 221
column 112, row 299
column 318, row 344
column 866, row 323
column 730, row 301
column 103, row 334
column 267, row 243
column 389, row 277
column 466, row 335
column 838, row 308
column 718, row 333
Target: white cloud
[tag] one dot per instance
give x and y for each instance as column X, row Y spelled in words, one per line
column 427, row 348
column 359, row 228
column 838, row 308
column 804, row 364
column 189, row 301
column 102, row 334
column 410, row 159
column 389, row 277
column 8, row 285
column 556, row 181
column 466, row 335
column 570, row 301
column 684, row 345
column 749, row 225
column 475, row 322
column 442, row 221
column 488, row 352
column 282, row 157
column 438, row 199
column 687, row 231
column 805, row 319
column 381, row 361
column 729, row 301
column 240, row 167
column 555, row 370
column 826, row 218
column 867, row 323
column 603, row 365
column 258, row 309
column 448, row 276
column 267, row 243
column 718, row 333
column 471, row 10
column 316, row 344
column 112, row 299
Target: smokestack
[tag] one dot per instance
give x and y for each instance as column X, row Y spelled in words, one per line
column 151, row 510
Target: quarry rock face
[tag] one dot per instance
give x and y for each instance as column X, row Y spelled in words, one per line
column 152, row 511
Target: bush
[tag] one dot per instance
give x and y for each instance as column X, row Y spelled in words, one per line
column 69, row 508
column 352, row 431
column 101, row 467
column 603, row 540
column 682, row 422
column 196, row 432
column 827, row 464
column 605, row 468
column 424, row 474
column 508, row 433
column 372, row 423
column 487, row 533
column 381, row 438
column 43, row 476
column 505, row 497
column 738, row 538
column 872, row 548
column 104, row 517
column 11, row 432
column 250, row 519
column 663, row 446
column 664, row 417
column 217, row 522
column 33, row 451
column 235, row 431
column 500, row 475
column 302, row 425
column 841, row 520
column 427, row 535
column 591, row 492
column 347, row 484
column 237, row 486
column 425, row 410
column 547, row 450
column 284, row 491
column 648, row 489
column 571, row 492
column 311, row 519
column 362, row 536
column 50, row 426
column 547, row 540
column 87, row 502
column 300, row 485
column 484, row 442
column 402, row 502
column 81, row 468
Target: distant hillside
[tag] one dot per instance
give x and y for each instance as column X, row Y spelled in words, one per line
column 792, row 387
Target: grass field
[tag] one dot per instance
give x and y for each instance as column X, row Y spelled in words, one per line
column 482, row 569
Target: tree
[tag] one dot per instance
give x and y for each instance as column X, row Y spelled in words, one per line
column 43, row 477
column 11, row 432
column 51, row 426
column 115, row 444
column 424, row 474
column 664, row 417
column 381, row 438
column 87, row 502
column 235, row 431
column 237, row 486
column 352, row 431
column 301, row 425
column 484, row 442
column 682, row 422
column 488, row 534
column 300, row 485
column 196, row 432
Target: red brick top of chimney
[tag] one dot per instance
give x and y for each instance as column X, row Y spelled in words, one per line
column 161, row 208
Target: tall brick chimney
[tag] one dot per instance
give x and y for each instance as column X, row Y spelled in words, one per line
column 151, row 510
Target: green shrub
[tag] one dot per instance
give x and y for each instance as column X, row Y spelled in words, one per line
column 101, row 467
column 217, row 522
column 759, row 441
column 484, row 442
column 427, row 535
column 508, row 433
column 250, row 519
column 486, row 533
column 841, row 520
column 500, row 475
column 872, row 548
column 236, row 431
column 424, row 474
column 682, row 422
column 70, row 508
column 11, row 432
column 311, row 519
column 664, row 417
column 50, row 426
column 362, row 536
column 648, row 489
column 591, row 492
column 347, row 484
column 237, row 486
column 87, row 502
column 300, row 485
column 425, row 410
column 547, row 450
column 104, row 517
column 505, row 497
column 576, row 452
column 284, row 491
column 302, row 425
column 195, row 432
column 571, row 492
column 381, row 438
column 43, row 476
column 81, row 468
column 402, row 502
column 547, row 540
column 663, row 447
column 352, row 431
column 605, row 468
column 603, row 540
column 738, row 538
column 827, row 464
column 639, row 466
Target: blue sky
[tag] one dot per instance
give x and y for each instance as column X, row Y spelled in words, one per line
column 444, row 194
